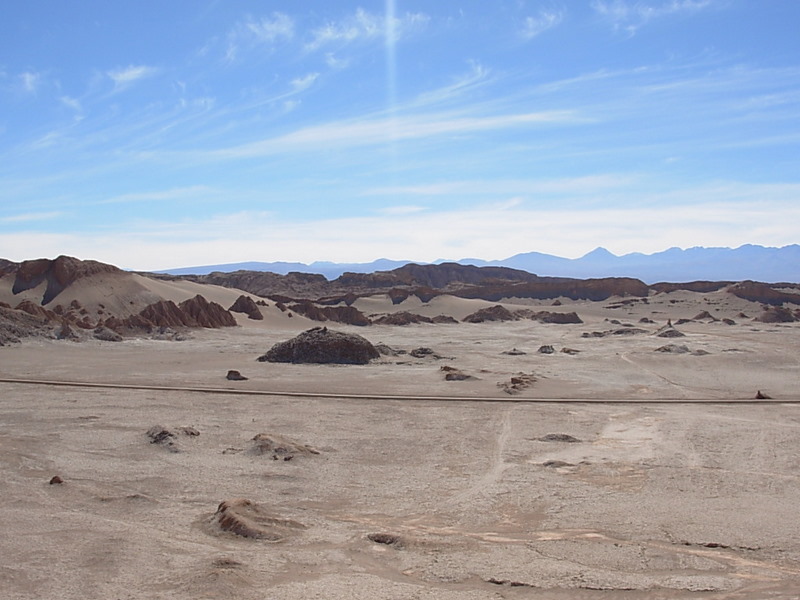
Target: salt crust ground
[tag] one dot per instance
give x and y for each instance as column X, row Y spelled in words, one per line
column 655, row 501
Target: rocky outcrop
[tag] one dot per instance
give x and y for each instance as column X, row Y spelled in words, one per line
column 492, row 313
column 247, row 519
column 206, row 314
column 322, row 345
column 778, row 314
column 245, row 304
column 194, row 312
column 59, row 274
column 765, row 293
column 16, row 325
column 349, row 315
column 280, row 447
column 402, row 318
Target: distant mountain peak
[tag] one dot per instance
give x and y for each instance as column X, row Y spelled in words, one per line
column 599, row 253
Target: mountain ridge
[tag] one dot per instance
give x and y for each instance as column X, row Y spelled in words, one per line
column 747, row 262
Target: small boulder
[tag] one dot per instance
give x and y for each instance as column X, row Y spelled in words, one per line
column 235, row 376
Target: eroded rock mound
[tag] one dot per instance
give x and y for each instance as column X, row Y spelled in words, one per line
column 59, row 274
column 16, row 324
column 492, row 313
column 207, row 314
column 402, row 318
column 280, row 447
column 349, row 315
column 245, row 518
column 245, row 304
column 321, row 345
column 777, row 314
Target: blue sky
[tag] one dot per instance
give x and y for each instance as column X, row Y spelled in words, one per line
column 155, row 135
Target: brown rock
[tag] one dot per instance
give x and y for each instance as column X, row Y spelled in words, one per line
column 493, row 313
column 245, row 518
column 245, row 304
column 322, row 345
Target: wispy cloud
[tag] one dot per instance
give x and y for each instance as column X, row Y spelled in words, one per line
column 30, row 81
column 125, row 76
column 630, row 16
column 363, row 26
column 408, row 209
column 280, row 26
column 546, row 19
column 253, row 33
column 573, row 186
column 419, row 235
column 34, row 216
column 193, row 192
column 380, row 130
column 477, row 76
column 70, row 102
column 303, row 83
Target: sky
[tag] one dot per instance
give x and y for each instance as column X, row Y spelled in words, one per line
column 153, row 135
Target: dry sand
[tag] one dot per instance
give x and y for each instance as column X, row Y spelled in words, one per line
column 693, row 498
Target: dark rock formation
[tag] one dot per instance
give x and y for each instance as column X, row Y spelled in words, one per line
column 245, row 304
column 194, row 312
column 765, row 293
column 207, row 314
column 245, row 518
column 546, row 349
column 59, row 274
column 443, row 319
column 546, row 316
column 322, row 345
column 559, row 437
column 518, row 383
column 492, row 313
column 668, row 331
column 402, row 318
column 348, row 315
column 777, row 314
column 703, row 316
column 235, row 376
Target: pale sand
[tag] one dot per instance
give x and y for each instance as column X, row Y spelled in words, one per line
column 663, row 500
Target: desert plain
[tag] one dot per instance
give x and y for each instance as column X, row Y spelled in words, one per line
column 613, row 470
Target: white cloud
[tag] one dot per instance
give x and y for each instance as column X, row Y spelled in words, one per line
column 27, row 217
column 402, row 210
column 30, row 81
column 253, row 33
column 377, row 131
column 484, row 232
column 574, row 186
column 547, row 19
column 630, row 16
column 125, row 76
column 477, row 76
column 185, row 193
column 280, row 26
column 335, row 63
column 303, row 83
column 72, row 103
column 364, row 25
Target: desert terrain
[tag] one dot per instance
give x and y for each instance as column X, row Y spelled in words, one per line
column 615, row 466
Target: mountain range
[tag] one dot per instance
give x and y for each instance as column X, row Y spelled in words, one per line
column 748, row 262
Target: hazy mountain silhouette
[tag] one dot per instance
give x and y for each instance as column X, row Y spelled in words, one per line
column 753, row 262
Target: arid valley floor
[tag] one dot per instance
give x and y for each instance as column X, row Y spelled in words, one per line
column 666, row 478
